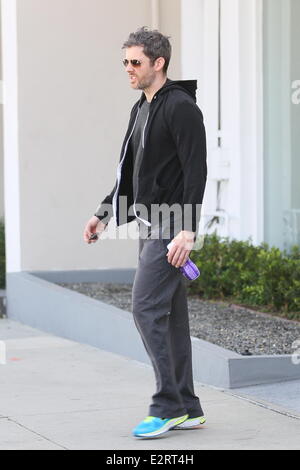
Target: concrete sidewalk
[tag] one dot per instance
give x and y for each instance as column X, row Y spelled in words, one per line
column 59, row 394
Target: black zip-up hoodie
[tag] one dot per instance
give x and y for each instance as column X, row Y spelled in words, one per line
column 173, row 167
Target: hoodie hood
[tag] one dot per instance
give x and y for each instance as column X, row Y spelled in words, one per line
column 188, row 86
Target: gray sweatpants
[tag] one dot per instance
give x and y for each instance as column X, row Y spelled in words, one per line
column 160, row 312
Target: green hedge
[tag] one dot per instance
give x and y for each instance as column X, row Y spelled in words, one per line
column 2, row 255
column 257, row 276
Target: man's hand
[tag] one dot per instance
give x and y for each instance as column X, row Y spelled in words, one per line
column 182, row 245
column 94, row 226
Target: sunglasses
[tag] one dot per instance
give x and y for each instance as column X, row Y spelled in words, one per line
column 134, row 62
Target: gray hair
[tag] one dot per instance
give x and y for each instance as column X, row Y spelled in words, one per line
column 155, row 44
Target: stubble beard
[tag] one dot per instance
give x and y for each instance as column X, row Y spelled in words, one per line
column 146, row 82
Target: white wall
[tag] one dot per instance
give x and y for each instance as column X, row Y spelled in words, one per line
column 73, row 108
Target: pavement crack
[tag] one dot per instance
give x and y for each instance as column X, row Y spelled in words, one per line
column 263, row 405
column 37, row 433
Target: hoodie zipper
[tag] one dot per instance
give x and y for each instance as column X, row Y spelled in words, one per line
column 143, row 139
column 119, row 169
column 143, row 145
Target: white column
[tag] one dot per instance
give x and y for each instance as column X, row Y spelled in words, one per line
column 155, row 14
column 251, row 119
column 235, row 153
column 198, row 37
column 192, row 43
column 11, row 136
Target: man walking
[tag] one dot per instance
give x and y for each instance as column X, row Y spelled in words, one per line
column 163, row 161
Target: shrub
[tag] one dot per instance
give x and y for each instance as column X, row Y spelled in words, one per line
column 252, row 275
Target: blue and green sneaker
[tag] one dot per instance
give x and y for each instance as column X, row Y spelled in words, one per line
column 153, row 426
column 192, row 423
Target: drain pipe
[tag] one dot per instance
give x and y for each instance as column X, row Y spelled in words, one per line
column 155, row 14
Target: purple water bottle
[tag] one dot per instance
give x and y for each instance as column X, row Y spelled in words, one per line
column 189, row 269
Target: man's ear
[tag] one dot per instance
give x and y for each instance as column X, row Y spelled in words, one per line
column 159, row 63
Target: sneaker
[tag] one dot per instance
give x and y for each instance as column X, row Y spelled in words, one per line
column 192, row 423
column 153, row 426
